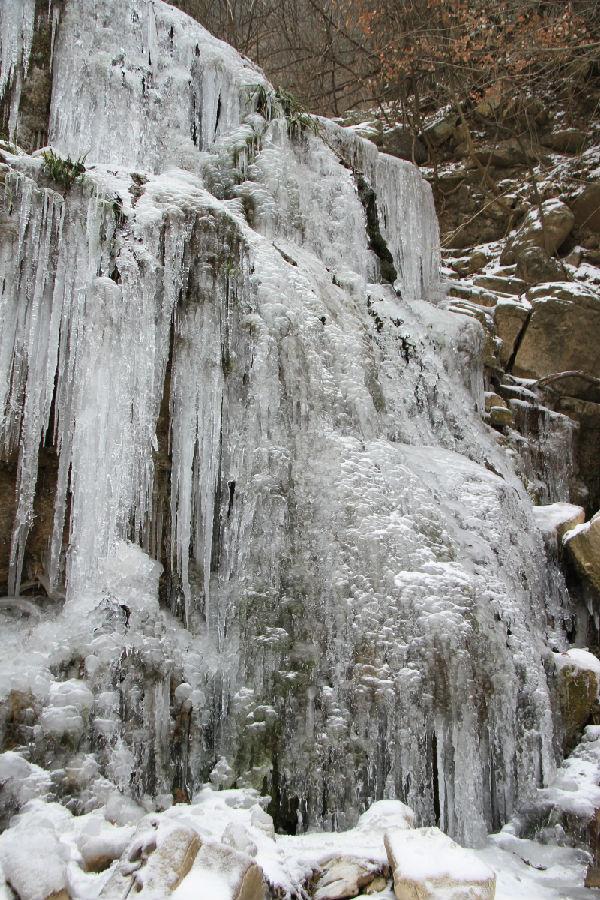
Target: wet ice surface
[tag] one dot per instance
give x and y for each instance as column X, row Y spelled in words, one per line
column 356, row 578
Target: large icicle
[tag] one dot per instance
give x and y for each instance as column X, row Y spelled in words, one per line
column 17, row 19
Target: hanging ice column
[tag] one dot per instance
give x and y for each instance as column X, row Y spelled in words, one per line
column 361, row 620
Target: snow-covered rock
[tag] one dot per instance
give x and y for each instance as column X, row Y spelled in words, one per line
column 546, row 229
column 169, row 864
column 386, row 814
column 222, row 873
column 32, row 856
column 556, row 519
column 426, row 863
column 578, row 690
column 582, row 543
column 100, row 842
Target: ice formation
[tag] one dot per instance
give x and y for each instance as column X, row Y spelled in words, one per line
column 294, row 557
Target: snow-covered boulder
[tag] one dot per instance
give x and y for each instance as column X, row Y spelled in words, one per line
column 577, row 687
column 583, row 546
column 169, row 863
column 238, row 837
column 426, row 863
column 155, row 862
column 33, row 859
column 563, row 332
column 221, row 873
column 100, row 842
column 555, row 519
column 21, row 780
column 548, row 234
column 385, row 815
column 263, row 821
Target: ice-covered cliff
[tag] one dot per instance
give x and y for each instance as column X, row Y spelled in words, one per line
column 283, row 550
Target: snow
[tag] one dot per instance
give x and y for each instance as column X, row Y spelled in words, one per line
column 549, row 518
column 427, row 853
column 31, row 853
column 523, row 868
column 580, row 529
column 576, row 788
column 578, row 658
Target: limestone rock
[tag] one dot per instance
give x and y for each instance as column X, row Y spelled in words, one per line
column 492, row 399
column 441, row 131
column 477, row 260
column 583, row 546
column 233, row 874
column 509, row 318
column 586, row 207
column 507, row 154
column 402, row 143
column 478, row 295
column 535, row 265
column 426, row 863
column 154, row 863
column 500, row 417
column 558, row 221
column 349, row 876
column 576, row 689
column 498, row 410
column 501, row 284
column 563, row 333
column 169, row 864
column 568, row 140
column 586, row 449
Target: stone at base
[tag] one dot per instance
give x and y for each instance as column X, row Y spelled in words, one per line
column 592, row 877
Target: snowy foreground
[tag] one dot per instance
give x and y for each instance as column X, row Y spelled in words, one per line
column 228, row 832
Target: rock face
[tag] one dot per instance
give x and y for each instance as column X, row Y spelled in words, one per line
column 283, row 531
column 510, row 317
column 562, row 334
column 426, row 864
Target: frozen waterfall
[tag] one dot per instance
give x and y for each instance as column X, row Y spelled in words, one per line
column 291, row 549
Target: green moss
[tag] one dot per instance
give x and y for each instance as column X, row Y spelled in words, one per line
column 266, row 101
column 64, row 171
